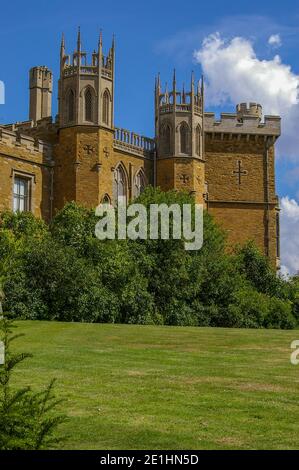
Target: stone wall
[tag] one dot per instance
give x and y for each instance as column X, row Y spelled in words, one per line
column 22, row 155
column 85, row 159
column 241, row 186
column 237, row 175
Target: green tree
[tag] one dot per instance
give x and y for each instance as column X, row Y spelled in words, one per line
column 187, row 285
column 68, row 274
column 257, row 270
column 23, row 225
column 74, row 226
column 49, row 281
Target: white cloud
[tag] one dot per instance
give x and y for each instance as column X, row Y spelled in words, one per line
column 275, row 40
column 289, row 235
column 235, row 74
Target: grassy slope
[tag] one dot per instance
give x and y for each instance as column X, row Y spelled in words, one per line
column 144, row 387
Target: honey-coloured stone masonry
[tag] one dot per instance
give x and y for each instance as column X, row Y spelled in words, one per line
column 226, row 164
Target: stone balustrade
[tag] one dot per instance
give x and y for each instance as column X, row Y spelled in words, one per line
column 135, row 143
column 71, row 70
column 180, row 107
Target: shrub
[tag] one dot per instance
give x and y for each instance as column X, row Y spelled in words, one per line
column 23, row 224
column 248, row 310
column 257, row 270
column 50, row 282
column 65, row 273
column 28, row 419
column 279, row 315
column 74, row 226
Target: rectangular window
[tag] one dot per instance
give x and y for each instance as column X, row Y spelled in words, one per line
column 21, row 194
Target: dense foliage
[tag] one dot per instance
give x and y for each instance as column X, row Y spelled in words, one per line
column 64, row 272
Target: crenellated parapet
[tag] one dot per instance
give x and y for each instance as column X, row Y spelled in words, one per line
column 247, row 120
column 252, row 109
column 86, row 86
column 179, row 119
column 45, row 129
column 41, row 87
column 76, row 63
column 133, row 143
column 30, row 146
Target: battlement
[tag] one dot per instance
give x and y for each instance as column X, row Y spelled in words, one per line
column 41, row 77
column 252, row 109
column 179, row 101
column 249, row 123
column 178, row 108
column 25, row 126
column 77, row 63
column 133, row 143
column 15, row 139
column 71, row 70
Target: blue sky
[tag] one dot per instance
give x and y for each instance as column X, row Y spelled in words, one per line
column 151, row 37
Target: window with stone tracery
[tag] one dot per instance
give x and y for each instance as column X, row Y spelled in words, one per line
column 198, row 140
column 119, row 185
column 88, row 105
column 139, row 183
column 71, row 106
column 184, row 138
column 165, row 148
column 106, row 102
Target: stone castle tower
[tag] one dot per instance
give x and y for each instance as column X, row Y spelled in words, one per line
column 227, row 164
column 86, row 123
column 179, row 124
column 84, row 88
column 41, row 86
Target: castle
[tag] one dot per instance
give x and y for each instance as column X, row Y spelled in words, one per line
column 227, row 164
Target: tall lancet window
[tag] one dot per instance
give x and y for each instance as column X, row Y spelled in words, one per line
column 106, row 102
column 184, row 137
column 71, row 106
column 198, row 140
column 119, row 185
column 167, row 139
column 139, row 183
column 88, row 105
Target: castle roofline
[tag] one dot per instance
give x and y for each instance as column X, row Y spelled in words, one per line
column 230, row 123
column 13, row 138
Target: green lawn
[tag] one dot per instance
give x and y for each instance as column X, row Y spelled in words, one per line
column 148, row 387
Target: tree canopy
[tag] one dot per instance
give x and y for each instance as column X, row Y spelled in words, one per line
column 63, row 272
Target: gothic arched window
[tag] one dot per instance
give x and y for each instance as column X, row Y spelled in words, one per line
column 198, row 140
column 167, row 140
column 106, row 199
column 106, row 103
column 139, row 183
column 88, row 105
column 119, row 184
column 70, row 106
column 184, row 137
